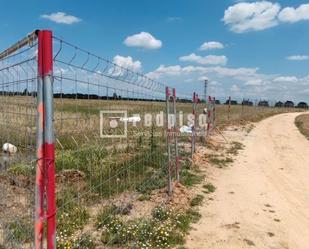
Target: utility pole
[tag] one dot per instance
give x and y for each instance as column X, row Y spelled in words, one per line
column 205, row 90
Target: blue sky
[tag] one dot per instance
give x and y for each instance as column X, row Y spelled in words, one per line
column 260, row 48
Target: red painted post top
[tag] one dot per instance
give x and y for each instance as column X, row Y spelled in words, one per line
column 45, row 52
column 174, row 92
column 167, row 91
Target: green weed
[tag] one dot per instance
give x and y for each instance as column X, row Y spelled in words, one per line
column 197, row 200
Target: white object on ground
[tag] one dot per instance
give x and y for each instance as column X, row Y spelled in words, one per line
column 185, row 129
column 9, row 148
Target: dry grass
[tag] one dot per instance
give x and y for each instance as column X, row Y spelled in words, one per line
column 302, row 122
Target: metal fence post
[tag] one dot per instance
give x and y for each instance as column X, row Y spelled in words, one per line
column 45, row 144
column 176, row 135
column 242, row 109
column 39, row 188
column 209, row 109
column 194, row 124
column 214, row 113
column 229, row 109
column 168, row 141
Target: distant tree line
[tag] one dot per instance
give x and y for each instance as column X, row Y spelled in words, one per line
column 246, row 102
column 265, row 103
column 88, row 96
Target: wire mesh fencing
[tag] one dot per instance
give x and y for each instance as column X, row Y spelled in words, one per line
column 118, row 141
column 114, row 144
column 112, row 147
column 18, row 81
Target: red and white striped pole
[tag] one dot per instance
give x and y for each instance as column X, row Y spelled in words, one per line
column 45, row 176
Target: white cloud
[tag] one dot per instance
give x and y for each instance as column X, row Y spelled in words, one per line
column 61, row 17
column 260, row 15
column 143, row 40
column 298, row 57
column 203, row 78
column 234, row 72
column 244, row 16
column 211, row 45
column 292, row 15
column 235, row 88
column 163, row 70
column 127, row 62
column 206, row 60
column 286, row 79
column 177, row 70
column 254, row 82
column 237, row 82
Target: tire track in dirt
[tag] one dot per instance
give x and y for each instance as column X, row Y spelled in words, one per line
column 269, row 179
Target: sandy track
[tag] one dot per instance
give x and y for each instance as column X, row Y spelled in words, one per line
column 262, row 200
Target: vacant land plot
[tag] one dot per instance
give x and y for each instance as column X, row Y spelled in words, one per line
column 108, row 190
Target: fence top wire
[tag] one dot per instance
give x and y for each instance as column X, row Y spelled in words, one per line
column 92, row 63
column 30, row 40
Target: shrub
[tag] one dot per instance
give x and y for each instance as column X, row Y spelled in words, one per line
column 209, row 188
column 22, row 169
column 70, row 219
column 76, row 242
column 197, row 200
column 190, row 177
column 236, row 146
column 104, row 216
column 21, row 231
column 164, row 229
column 160, row 213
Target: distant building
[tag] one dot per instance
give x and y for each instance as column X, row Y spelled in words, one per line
column 279, row 104
column 289, row 104
column 302, row 105
column 263, row 103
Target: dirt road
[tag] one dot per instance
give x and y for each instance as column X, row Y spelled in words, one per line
column 262, row 200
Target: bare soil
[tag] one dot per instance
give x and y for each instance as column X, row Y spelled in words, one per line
column 262, row 198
